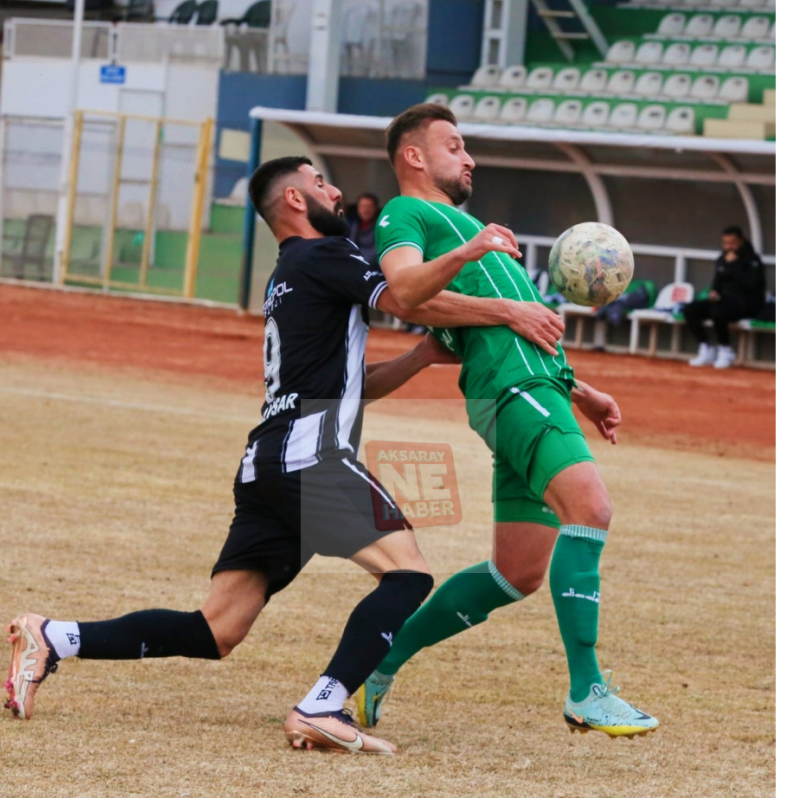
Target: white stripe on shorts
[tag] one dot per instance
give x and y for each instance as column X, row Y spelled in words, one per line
column 537, row 405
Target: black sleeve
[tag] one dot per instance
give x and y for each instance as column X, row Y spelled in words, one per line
column 338, row 268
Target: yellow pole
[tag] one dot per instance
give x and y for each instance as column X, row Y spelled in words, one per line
column 148, row 229
column 77, row 135
column 109, row 251
column 197, row 206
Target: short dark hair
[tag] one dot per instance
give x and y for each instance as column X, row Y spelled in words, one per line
column 415, row 118
column 734, row 230
column 265, row 177
column 369, row 196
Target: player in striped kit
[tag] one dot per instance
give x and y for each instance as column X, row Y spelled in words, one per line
column 550, row 503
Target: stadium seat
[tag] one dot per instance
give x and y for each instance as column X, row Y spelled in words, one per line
column 772, row 31
column 755, row 28
column 722, row 3
column 462, row 106
column 705, row 55
column 651, row 118
column 699, row 26
column 513, row 77
column 567, row 80
column 649, row 84
column 732, row 57
column 513, row 111
column 540, row 112
column 681, row 121
column 761, row 58
column 727, row 27
column 648, row 53
column 671, row 25
column 770, row 4
column 540, row 79
column 677, row 86
column 596, row 114
column 705, row 87
column 621, row 83
column 568, row 113
column 676, row 54
column 486, row 76
column 752, row 3
column 438, row 99
column 695, row 3
column 623, row 116
column 593, row 81
column 487, row 109
column 620, row 53
column 668, row 298
column 734, row 90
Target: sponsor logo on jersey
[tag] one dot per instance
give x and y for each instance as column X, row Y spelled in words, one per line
column 384, row 221
column 362, row 260
column 274, row 296
column 280, row 403
column 369, row 275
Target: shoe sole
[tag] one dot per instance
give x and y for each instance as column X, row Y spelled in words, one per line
column 575, row 727
column 302, row 742
column 17, row 640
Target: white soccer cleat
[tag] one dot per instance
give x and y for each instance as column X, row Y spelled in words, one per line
column 706, row 356
column 725, row 358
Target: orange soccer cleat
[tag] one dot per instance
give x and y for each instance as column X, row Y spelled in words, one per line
column 335, row 731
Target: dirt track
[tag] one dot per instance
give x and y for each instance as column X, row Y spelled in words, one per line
column 664, row 403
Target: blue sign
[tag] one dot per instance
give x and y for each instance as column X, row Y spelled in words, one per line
column 111, row 73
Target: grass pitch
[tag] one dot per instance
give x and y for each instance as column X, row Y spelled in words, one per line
column 116, row 495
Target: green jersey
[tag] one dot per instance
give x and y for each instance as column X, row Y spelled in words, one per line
column 495, row 359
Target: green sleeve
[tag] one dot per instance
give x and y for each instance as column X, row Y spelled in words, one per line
column 401, row 224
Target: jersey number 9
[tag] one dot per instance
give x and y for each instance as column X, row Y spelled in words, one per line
column 271, row 360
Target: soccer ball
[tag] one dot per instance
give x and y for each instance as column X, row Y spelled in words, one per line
column 591, row 264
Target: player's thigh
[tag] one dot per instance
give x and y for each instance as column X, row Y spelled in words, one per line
column 522, row 551
column 579, row 496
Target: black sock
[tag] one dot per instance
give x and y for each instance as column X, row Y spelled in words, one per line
column 369, row 632
column 149, row 633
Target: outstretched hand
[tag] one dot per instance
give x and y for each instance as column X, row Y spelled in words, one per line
column 600, row 408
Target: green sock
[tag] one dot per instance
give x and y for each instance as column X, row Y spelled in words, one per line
column 462, row 601
column 574, row 580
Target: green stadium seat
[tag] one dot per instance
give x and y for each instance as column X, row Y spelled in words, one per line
column 540, row 112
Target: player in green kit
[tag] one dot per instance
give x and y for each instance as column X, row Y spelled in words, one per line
column 550, row 503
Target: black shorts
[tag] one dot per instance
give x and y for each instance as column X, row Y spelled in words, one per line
column 282, row 520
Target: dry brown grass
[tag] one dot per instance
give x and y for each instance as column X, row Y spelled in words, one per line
column 111, row 505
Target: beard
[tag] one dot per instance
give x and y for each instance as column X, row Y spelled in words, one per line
column 455, row 188
column 327, row 222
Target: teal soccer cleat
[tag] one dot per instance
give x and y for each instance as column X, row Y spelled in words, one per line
column 370, row 696
column 603, row 711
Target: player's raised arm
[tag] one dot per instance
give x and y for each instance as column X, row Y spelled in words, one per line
column 414, row 281
column 531, row 320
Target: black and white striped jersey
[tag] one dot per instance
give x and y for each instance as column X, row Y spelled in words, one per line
column 316, row 324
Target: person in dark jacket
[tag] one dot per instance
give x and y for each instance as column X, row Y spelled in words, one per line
column 361, row 229
column 738, row 292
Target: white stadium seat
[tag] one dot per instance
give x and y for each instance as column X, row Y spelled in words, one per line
column 681, row 121
column 540, row 111
column 567, row 80
column 649, row 84
column 487, row 76
column 596, row 114
column 755, row 28
column 438, row 99
column 671, row 25
column 513, row 110
column 727, row 26
column 732, row 56
column 722, row 3
column 734, row 90
column 705, row 87
column 699, row 26
column 772, row 31
column 462, row 106
column 752, row 3
column 677, row 54
column 763, row 57
column 695, row 2
column 677, row 86
column 513, row 77
column 487, row 109
column 540, row 79
column 568, row 112
column 651, row 118
column 621, row 83
column 594, row 80
column 704, row 55
column 623, row 116
column 649, row 53
column 620, row 53
column 770, row 4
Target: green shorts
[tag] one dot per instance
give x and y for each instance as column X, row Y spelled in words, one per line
column 534, row 436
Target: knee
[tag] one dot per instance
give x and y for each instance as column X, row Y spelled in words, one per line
column 528, row 583
column 594, row 511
